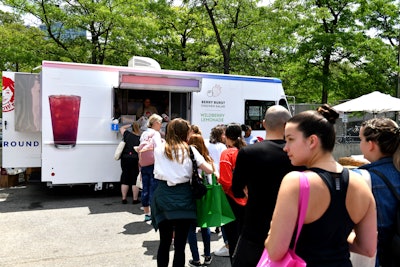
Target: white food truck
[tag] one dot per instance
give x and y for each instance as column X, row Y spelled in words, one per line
column 62, row 119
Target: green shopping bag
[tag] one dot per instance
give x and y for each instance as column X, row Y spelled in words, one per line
column 213, row 209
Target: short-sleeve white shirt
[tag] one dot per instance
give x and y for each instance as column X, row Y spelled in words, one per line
column 215, row 151
column 174, row 172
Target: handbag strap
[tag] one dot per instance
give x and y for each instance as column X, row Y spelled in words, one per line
column 387, row 182
column 304, row 195
column 194, row 163
column 192, row 155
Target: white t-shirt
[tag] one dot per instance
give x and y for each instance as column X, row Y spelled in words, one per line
column 250, row 139
column 174, row 172
column 215, row 151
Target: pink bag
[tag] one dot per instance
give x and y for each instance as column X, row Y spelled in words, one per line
column 146, row 151
column 291, row 259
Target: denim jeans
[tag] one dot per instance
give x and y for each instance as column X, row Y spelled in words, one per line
column 149, row 184
column 192, row 239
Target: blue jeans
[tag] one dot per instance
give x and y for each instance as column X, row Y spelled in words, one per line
column 224, row 235
column 149, row 184
column 192, row 239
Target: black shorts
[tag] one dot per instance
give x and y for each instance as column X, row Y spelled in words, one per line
column 130, row 171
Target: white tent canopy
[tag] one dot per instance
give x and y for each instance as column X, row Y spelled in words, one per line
column 375, row 102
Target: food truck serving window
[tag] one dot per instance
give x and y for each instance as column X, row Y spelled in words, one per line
column 159, row 82
column 254, row 111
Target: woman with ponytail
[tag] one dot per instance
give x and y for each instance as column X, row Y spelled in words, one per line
column 339, row 200
column 234, row 142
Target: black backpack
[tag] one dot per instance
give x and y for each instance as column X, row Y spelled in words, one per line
column 395, row 246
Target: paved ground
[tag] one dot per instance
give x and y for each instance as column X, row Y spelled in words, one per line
column 69, row 227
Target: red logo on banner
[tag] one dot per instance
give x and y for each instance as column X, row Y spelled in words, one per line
column 8, row 94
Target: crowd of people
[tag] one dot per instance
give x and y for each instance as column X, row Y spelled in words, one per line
column 346, row 213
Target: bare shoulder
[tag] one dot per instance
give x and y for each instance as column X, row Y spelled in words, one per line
column 291, row 178
column 358, row 184
column 359, row 197
column 290, row 184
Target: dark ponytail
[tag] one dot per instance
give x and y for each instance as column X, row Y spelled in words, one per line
column 234, row 132
column 321, row 123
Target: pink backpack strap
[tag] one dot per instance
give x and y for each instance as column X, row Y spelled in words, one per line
column 304, row 194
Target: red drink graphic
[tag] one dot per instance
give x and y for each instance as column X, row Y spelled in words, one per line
column 64, row 111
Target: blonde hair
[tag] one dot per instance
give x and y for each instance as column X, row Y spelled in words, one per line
column 136, row 128
column 153, row 118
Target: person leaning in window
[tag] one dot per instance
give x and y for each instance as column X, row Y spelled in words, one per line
column 129, row 162
column 340, row 200
column 380, row 144
column 173, row 206
column 147, row 109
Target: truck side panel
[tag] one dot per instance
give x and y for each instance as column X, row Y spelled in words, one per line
column 91, row 159
column 222, row 99
column 20, row 149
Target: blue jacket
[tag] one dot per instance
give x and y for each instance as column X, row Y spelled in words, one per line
column 386, row 202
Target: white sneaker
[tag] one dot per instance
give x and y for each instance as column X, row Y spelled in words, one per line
column 222, row 252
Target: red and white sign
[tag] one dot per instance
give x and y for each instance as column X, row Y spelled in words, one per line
column 8, row 94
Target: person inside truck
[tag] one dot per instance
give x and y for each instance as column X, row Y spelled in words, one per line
column 248, row 138
column 147, row 109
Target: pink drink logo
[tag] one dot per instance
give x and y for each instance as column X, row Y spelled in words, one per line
column 8, row 94
column 64, row 111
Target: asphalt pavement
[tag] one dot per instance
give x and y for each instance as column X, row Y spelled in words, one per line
column 77, row 226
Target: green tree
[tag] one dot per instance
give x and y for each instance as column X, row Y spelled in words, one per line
column 383, row 17
column 228, row 20
column 68, row 22
column 331, row 51
column 20, row 45
column 188, row 41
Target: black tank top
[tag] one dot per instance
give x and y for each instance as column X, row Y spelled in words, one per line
column 323, row 243
column 131, row 140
